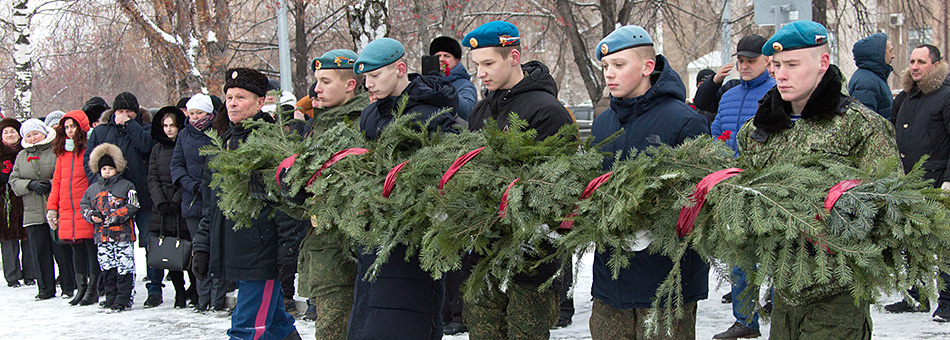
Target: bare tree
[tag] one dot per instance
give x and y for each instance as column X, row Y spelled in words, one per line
column 23, row 60
column 368, row 20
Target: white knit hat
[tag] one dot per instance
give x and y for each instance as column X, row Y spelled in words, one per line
column 201, row 102
column 31, row 125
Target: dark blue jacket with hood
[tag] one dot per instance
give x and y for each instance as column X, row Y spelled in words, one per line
column 404, row 302
column 869, row 83
column 467, row 94
column 427, row 95
column 659, row 116
column 187, row 168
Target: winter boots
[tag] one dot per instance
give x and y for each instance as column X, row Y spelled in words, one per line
column 123, row 296
column 92, row 292
column 82, row 280
column 108, row 288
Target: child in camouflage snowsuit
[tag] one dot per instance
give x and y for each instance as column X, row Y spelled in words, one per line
column 110, row 205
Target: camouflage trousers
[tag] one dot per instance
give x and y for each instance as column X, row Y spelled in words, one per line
column 118, row 255
column 327, row 273
column 608, row 323
column 522, row 313
column 834, row 317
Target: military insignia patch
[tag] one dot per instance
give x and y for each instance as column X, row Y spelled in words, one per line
column 603, row 49
column 234, row 75
column 361, row 67
column 317, row 64
column 473, row 42
column 820, row 39
column 777, row 46
column 507, row 40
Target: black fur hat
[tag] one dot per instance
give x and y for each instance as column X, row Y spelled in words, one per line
column 248, row 79
column 446, row 44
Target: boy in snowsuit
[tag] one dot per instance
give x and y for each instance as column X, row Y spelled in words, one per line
column 110, row 205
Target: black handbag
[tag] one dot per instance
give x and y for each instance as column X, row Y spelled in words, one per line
column 172, row 253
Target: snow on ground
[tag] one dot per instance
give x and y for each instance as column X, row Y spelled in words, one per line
column 24, row 318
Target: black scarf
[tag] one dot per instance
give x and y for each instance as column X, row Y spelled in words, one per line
column 826, row 101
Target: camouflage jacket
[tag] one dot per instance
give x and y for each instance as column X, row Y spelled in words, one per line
column 832, row 124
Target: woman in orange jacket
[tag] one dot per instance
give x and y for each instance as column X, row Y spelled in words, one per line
column 62, row 207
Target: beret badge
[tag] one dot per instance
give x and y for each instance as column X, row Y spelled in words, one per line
column 473, row 42
column 777, row 46
column 234, row 75
column 604, row 49
column 317, row 65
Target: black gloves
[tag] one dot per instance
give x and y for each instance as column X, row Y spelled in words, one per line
column 39, row 187
column 199, row 265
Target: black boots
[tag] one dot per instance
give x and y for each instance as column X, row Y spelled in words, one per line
column 123, row 296
column 108, row 287
column 92, row 292
column 81, row 279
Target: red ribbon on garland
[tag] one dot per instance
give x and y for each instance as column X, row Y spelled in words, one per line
column 684, row 224
column 833, row 195
column 390, row 182
column 456, row 165
column 284, row 165
column 503, row 206
column 336, row 158
column 595, row 183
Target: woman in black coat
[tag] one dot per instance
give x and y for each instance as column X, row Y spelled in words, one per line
column 167, row 220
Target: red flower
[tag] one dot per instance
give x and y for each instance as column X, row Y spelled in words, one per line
column 725, row 135
column 33, row 158
column 7, row 167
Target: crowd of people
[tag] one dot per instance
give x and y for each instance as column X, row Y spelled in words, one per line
column 86, row 185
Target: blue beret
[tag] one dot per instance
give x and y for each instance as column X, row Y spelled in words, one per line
column 625, row 37
column 495, row 33
column 796, row 35
column 378, row 53
column 336, row 59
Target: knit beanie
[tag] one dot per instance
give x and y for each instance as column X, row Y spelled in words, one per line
column 200, row 101
column 31, row 125
column 106, row 160
column 126, row 101
column 53, row 118
column 94, row 108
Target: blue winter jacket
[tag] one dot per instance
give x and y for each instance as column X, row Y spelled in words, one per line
column 135, row 141
column 658, row 116
column 738, row 105
column 467, row 94
column 869, row 83
column 188, row 166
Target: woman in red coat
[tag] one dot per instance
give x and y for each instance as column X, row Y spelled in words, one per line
column 62, row 207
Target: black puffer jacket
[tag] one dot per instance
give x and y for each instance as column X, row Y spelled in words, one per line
column 534, row 99
column 166, row 195
column 921, row 119
column 135, row 142
column 427, row 95
column 246, row 254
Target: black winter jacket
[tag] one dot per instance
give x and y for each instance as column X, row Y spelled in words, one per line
column 187, row 167
column 134, row 140
column 922, row 122
column 659, row 116
column 246, row 254
column 534, row 99
column 164, row 192
column 427, row 95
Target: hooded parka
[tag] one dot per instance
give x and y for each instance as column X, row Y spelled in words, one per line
column 34, row 162
column 166, row 195
column 659, row 116
column 427, row 96
column 69, row 184
column 869, row 83
column 534, row 99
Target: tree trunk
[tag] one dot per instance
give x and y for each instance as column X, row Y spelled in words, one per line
column 819, row 12
column 22, row 60
column 301, row 50
column 216, row 43
column 593, row 77
column 368, row 20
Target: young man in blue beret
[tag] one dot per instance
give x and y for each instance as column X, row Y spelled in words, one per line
column 404, row 302
column 326, row 272
column 520, row 312
column 647, row 101
column 807, row 114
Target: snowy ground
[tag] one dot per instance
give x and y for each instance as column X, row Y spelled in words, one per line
column 24, row 318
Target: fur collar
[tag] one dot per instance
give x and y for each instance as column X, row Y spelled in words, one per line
column 929, row 83
column 774, row 113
